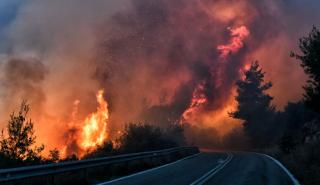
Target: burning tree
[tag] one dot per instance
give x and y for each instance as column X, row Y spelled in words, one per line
column 18, row 144
column 254, row 105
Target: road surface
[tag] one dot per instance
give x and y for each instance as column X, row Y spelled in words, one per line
column 218, row 168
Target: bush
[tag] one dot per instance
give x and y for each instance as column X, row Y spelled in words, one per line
column 144, row 137
column 17, row 148
column 107, row 149
column 304, row 162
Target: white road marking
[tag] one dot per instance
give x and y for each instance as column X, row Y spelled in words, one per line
column 147, row 171
column 213, row 171
column 221, row 161
column 293, row 179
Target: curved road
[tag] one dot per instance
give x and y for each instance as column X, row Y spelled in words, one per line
column 218, row 168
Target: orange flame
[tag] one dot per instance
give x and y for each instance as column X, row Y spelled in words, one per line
column 238, row 35
column 198, row 99
column 236, row 42
column 94, row 131
column 85, row 135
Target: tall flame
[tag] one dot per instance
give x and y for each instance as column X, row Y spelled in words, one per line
column 198, row 99
column 236, row 42
column 94, row 131
column 237, row 34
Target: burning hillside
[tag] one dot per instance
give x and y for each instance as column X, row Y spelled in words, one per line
column 161, row 62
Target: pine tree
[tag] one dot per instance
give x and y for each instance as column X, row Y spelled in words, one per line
column 254, row 105
column 20, row 140
column 310, row 61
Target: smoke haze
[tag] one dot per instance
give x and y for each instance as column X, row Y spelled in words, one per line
column 159, row 61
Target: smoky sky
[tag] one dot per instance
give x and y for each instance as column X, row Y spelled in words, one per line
column 148, row 55
column 147, row 46
column 22, row 80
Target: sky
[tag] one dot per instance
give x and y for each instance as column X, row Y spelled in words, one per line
column 8, row 11
column 156, row 60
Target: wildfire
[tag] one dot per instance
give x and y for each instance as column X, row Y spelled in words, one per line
column 94, row 130
column 238, row 35
column 236, row 42
column 86, row 134
column 198, row 99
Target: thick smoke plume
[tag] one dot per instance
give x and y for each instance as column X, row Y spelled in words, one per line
column 160, row 58
column 22, row 79
column 159, row 61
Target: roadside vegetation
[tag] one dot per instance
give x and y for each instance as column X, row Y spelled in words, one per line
column 17, row 144
column 291, row 135
column 300, row 143
column 138, row 137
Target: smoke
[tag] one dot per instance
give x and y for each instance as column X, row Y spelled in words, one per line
column 236, row 42
column 296, row 19
column 62, row 35
column 22, row 79
column 157, row 54
column 159, row 61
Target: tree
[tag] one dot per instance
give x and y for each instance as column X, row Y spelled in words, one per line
column 144, row 137
column 54, row 155
column 254, row 106
column 310, row 61
column 106, row 149
column 18, row 144
column 287, row 143
column 175, row 133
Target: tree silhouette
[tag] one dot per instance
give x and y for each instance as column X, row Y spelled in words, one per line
column 106, row 149
column 310, row 61
column 254, row 105
column 18, row 144
column 54, row 155
column 144, row 137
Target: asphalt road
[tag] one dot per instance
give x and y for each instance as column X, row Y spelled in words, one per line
column 216, row 168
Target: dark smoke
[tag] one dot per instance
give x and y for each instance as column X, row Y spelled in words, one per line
column 157, row 52
column 149, row 56
column 22, row 79
column 165, row 115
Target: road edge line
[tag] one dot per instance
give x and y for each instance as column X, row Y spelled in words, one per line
column 149, row 170
column 292, row 178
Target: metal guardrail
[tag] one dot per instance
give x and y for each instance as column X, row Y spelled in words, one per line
column 13, row 174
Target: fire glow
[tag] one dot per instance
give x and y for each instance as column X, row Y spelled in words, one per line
column 94, row 131
column 175, row 61
column 84, row 136
column 238, row 35
column 198, row 99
